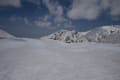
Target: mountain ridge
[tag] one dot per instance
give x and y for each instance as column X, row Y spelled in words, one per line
column 106, row 34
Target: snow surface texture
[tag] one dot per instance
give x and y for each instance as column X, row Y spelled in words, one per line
column 108, row 34
column 47, row 59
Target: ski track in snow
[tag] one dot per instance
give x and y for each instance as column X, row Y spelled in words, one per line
column 54, row 60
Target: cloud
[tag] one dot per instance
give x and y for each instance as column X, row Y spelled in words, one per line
column 15, row 3
column 16, row 18
column 26, row 21
column 53, row 7
column 91, row 9
column 59, row 19
column 37, row 2
column 45, row 18
column 66, row 25
column 12, row 18
column 84, row 9
column 113, row 6
column 56, row 10
column 43, row 22
column 69, row 25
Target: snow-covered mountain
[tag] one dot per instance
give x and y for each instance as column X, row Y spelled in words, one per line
column 4, row 34
column 45, row 59
column 109, row 34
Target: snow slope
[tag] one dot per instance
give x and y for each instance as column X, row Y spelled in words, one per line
column 53, row 60
column 4, row 34
column 108, row 34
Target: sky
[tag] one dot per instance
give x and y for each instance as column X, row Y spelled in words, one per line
column 35, row 18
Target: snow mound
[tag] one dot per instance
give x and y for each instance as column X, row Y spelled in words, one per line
column 108, row 34
column 4, row 34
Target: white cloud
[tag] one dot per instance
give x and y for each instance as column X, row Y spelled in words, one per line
column 37, row 2
column 59, row 19
column 15, row 3
column 26, row 21
column 56, row 10
column 113, row 6
column 90, row 9
column 84, row 9
column 53, row 7
column 105, row 4
column 43, row 22
column 46, row 18
column 69, row 25
column 12, row 18
column 59, row 10
column 15, row 19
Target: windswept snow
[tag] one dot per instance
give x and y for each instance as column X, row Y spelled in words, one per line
column 53, row 60
column 106, row 34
